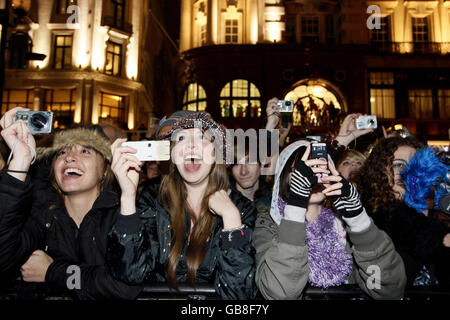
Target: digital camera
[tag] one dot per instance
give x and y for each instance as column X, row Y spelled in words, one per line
column 39, row 122
column 286, row 105
column 366, row 122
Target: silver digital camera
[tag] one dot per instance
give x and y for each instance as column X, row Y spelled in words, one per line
column 366, row 122
column 39, row 122
column 286, row 105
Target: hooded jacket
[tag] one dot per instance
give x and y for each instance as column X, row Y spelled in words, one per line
column 282, row 261
column 26, row 226
column 139, row 246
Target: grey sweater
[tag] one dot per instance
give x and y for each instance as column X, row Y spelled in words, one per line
column 282, row 268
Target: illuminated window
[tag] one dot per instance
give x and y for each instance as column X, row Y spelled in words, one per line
column 420, row 104
column 113, row 65
column 17, row 98
column 382, row 94
column 194, row 98
column 310, row 29
column 62, row 103
column 112, row 107
column 383, row 34
column 240, row 98
column 315, row 105
column 382, row 103
column 444, row 104
column 63, row 52
column 420, row 29
column 231, row 31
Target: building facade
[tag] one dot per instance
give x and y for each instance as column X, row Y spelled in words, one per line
column 98, row 66
column 331, row 57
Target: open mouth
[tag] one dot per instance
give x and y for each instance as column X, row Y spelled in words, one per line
column 192, row 163
column 72, row 172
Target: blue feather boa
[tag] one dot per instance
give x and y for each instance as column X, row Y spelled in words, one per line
column 423, row 172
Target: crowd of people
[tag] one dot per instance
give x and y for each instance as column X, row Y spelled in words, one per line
column 80, row 203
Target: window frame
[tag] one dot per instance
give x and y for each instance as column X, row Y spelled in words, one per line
column 384, row 22
column 64, row 66
column 28, row 103
column 122, row 108
column 385, row 82
column 120, row 58
column 234, row 31
column 310, row 34
column 50, row 105
column 248, row 98
column 197, row 101
column 415, row 32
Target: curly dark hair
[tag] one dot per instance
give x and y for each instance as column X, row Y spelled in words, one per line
column 374, row 180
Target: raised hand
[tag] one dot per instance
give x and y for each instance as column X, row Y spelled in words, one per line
column 343, row 194
column 273, row 114
column 126, row 167
column 304, row 178
column 220, row 204
column 348, row 132
column 20, row 140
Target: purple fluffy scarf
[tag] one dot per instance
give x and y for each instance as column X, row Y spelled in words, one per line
column 329, row 263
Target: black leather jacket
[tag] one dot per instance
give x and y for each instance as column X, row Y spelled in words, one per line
column 140, row 244
column 26, row 226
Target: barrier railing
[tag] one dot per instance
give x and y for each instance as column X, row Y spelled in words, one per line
column 207, row 292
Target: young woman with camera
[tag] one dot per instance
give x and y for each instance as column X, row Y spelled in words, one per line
column 192, row 228
column 58, row 242
column 302, row 242
column 422, row 241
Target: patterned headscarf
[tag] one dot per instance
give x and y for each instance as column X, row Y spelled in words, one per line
column 204, row 122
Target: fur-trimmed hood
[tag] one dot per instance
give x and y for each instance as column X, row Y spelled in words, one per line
column 88, row 137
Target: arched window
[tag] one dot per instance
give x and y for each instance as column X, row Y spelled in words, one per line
column 316, row 104
column 240, row 98
column 194, row 98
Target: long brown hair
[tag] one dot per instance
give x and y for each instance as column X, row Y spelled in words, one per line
column 375, row 180
column 174, row 199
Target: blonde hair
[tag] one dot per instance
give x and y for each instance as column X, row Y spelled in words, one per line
column 353, row 155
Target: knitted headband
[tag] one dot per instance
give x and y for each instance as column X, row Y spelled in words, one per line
column 87, row 137
column 204, row 121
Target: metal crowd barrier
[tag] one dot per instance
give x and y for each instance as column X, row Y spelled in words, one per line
column 343, row 292
column 207, row 292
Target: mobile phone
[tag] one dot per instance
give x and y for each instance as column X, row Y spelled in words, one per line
column 319, row 151
column 150, row 150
